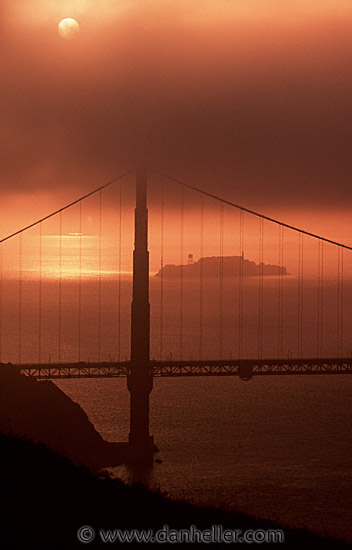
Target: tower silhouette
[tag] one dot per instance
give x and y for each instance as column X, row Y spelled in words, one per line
column 140, row 379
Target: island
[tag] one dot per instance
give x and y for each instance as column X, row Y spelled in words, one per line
column 212, row 266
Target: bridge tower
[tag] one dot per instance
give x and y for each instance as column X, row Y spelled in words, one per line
column 140, row 379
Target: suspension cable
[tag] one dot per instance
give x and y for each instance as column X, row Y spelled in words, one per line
column 224, row 201
column 67, row 206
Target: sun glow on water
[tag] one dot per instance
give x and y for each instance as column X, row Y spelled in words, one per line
column 72, row 257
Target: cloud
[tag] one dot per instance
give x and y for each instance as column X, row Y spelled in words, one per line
column 259, row 110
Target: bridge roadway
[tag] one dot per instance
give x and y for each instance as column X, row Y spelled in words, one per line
column 245, row 368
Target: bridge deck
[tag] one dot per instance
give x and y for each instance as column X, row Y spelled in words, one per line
column 244, row 368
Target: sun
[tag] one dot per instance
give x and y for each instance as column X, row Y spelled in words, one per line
column 68, row 28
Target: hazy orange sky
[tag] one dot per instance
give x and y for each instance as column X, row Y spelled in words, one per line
column 250, row 99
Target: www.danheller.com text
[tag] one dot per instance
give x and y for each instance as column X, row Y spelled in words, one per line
column 216, row 534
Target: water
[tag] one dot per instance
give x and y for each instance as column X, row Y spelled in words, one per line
column 71, row 314
column 277, row 447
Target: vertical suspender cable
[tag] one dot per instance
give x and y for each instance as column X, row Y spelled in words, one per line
column 341, row 301
column 322, row 300
column 338, row 337
column 320, row 296
column 221, row 280
column 300, row 294
column 1, row 301
column 40, row 294
column 201, row 279
column 80, row 284
column 60, row 283
column 261, row 281
column 281, row 284
column 240, row 285
column 319, row 302
column 161, row 270
column 119, row 277
column 20, row 302
column 99, row 291
column 181, row 272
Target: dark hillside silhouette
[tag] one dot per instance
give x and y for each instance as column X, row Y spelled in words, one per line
column 45, row 499
column 40, row 411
